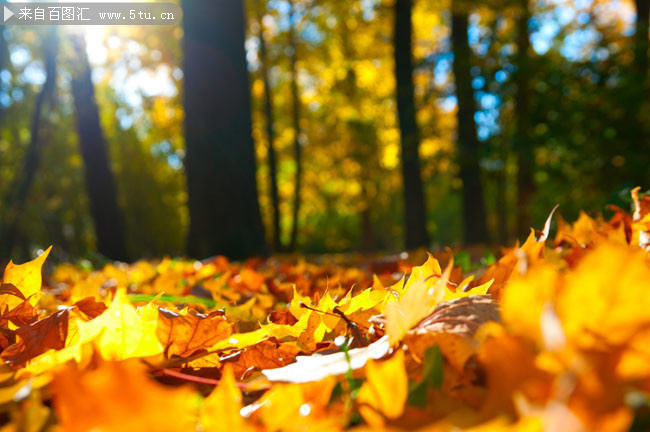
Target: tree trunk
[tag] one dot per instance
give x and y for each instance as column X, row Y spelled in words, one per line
column 270, row 132
column 523, row 145
column 641, row 87
column 468, row 146
column 220, row 155
column 4, row 54
column 19, row 189
column 641, row 37
column 414, row 204
column 108, row 219
column 297, row 133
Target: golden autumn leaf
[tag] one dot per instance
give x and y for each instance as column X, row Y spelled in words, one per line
column 296, row 407
column 122, row 331
column 220, row 410
column 422, row 293
column 606, row 298
column 384, row 393
column 26, row 278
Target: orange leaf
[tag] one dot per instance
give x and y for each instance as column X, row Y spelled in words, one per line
column 120, row 397
column 183, row 335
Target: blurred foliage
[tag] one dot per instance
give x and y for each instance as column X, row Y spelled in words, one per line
column 584, row 99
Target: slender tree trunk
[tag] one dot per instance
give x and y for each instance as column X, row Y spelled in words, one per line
column 468, row 146
column 108, row 219
column 270, row 132
column 3, row 61
column 523, row 145
column 19, row 190
column 295, row 120
column 641, row 37
column 641, row 88
column 414, row 204
column 220, row 155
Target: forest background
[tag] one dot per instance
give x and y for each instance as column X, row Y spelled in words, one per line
column 376, row 125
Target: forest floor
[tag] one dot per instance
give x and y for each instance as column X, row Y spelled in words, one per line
column 554, row 335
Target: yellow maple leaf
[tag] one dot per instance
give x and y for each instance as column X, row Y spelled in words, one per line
column 423, row 291
column 385, row 391
column 122, row 331
column 27, row 278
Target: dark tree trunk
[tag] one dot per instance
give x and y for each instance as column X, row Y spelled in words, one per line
column 501, row 204
column 641, row 88
column 3, row 61
column 641, row 37
column 21, row 185
column 270, row 132
column 523, row 145
column 414, row 204
column 297, row 133
column 468, row 146
column 220, row 155
column 108, row 219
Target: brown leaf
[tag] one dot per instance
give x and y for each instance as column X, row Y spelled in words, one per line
column 184, row 335
column 264, row 355
column 39, row 337
column 22, row 315
column 451, row 326
column 282, row 317
column 91, row 307
column 462, row 316
column 8, row 288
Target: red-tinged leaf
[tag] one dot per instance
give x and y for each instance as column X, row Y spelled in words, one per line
column 22, row 315
column 282, row 317
column 10, row 289
column 91, row 307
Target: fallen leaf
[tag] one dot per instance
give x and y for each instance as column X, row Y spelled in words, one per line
column 385, row 391
column 422, row 293
column 26, row 278
column 36, row 338
column 184, row 335
column 120, row 397
column 317, row 367
column 220, row 410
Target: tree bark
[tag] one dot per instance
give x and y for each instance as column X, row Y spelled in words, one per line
column 270, row 133
column 297, row 133
column 641, row 37
column 414, row 204
column 468, row 146
column 523, row 145
column 220, row 156
column 108, row 219
column 641, row 87
column 19, row 189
